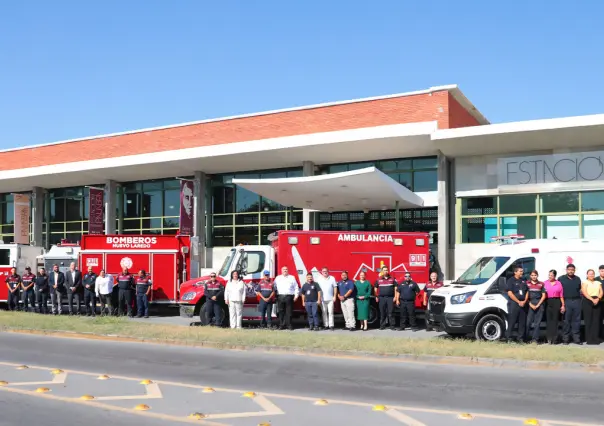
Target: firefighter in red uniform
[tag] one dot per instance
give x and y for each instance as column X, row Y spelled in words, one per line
column 27, row 284
column 384, row 290
column 214, row 292
column 432, row 285
column 143, row 292
column 13, row 281
column 125, row 284
column 265, row 291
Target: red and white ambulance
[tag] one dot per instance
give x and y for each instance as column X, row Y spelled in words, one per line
column 19, row 256
column 309, row 251
column 164, row 257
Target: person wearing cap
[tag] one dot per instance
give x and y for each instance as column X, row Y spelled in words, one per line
column 406, row 293
column 13, row 283
column 28, row 295
column 214, row 293
column 144, row 287
column 265, row 291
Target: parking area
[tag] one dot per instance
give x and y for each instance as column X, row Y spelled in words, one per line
column 202, row 404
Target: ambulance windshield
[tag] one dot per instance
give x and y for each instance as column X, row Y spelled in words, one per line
column 224, row 270
column 482, row 270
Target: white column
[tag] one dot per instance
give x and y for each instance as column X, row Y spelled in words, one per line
column 446, row 216
column 37, row 216
column 308, row 217
column 110, row 196
column 199, row 226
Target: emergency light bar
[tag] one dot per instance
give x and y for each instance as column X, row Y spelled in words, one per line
column 508, row 239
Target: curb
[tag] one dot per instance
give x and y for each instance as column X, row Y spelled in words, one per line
column 421, row 359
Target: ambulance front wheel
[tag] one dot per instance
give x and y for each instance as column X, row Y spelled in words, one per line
column 490, row 327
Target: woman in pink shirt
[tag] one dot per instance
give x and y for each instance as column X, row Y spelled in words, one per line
column 555, row 306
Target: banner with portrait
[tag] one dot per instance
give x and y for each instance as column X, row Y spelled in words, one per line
column 22, row 213
column 187, row 190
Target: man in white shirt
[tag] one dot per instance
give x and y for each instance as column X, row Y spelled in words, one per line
column 287, row 294
column 327, row 284
column 104, row 291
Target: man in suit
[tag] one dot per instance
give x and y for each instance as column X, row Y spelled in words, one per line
column 56, row 282
column 74, row 288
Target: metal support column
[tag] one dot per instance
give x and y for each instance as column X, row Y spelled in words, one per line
column 308, row 217
column 37, row 216
column 120, row 209
column 110, row 210
column 199, row 226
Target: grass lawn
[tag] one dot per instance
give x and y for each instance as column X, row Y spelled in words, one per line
column 225, row 338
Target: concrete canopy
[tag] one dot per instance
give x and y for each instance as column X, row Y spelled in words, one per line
column 357, row 190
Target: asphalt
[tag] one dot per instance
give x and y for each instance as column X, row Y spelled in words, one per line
column 286, row 387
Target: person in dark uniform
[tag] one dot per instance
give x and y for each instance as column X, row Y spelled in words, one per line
column 432, row 285
column 56, row 283
column 125, row 284
column 537, row 297
column 517, row 292
column 406, row 293
column 89, row 283
column 144, row 287
column 572, row 304
column 601, row 279
column 73, row 286
column 311, row 299
column 42, row 289
column 266, row 294
column 28, row 295
column 214, row 292
column 13, row 282
column 384, row 291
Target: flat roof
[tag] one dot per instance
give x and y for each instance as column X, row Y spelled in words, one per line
column 357, row 190
column 453, row 89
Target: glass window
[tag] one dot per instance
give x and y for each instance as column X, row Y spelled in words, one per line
column 560, row 202
column 222, row 199
column 253, row 262
column 132, row 207
column 271, row 206
column 132, row 223
column 170, row 231
column 172, row 202
column 57, row 210
column 246, row 201
column 358, row 166
column 482, row 270
column 523, row 225
column 8, row 213
column 73, row 226
column 265, row 231
column 73, row 209
column 272, row 218
column 226, row 264
column 337, row 168
column 5, row 257
column 246, row 219
column 152, row 204
column 153, row 186
column 479, row 229
column 592, row 201
column 560, row 226
column 425, row 163
column 394, row 165
column 171, row 222
column 172, row 184
column 86, row 205
column 154, row 223
column 593, row 226
column 246, row 235
column 478, row 206
column 222, row 219
column 424, row 181
column 517, row 204
column 404, row 178
column 222, row 236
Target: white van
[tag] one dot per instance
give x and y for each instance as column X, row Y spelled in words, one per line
column 474, row 304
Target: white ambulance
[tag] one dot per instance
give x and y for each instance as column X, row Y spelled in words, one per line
column 475, row 304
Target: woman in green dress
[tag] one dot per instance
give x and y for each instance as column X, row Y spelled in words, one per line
column 363, row 299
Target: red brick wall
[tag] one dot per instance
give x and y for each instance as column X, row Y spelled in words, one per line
column 404, row 109
column 459, row 116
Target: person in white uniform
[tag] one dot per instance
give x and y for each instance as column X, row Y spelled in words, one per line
column 327, row 284
column 234, row 296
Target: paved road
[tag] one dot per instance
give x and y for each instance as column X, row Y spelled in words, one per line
column 286, row 386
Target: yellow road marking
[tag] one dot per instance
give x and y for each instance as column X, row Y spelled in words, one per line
column 403, row 418
column 281, row 396
column 153, row 392
column 57, row 380
column 112, row 407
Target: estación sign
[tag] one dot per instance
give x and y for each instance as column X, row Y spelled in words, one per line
column 557, row 168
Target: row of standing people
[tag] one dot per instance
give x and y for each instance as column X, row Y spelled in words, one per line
column 566, row 296
column 35, row 290
column 354, row 297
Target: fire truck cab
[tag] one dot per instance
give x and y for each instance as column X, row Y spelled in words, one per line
column 19, row 256
column 309, row 251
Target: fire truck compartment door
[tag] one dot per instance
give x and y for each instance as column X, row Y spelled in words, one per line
column 164, row 277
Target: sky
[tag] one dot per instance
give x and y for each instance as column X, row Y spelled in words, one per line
column 72, row 68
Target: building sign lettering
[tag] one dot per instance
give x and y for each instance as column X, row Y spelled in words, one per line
column 131, row 242
column 558, row 168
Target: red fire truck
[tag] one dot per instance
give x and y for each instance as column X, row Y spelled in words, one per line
column 309, row 251
column 164, row 257
column 19, row 256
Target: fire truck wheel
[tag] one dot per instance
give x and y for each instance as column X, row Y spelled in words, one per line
column 203, row 319
column 490, row 327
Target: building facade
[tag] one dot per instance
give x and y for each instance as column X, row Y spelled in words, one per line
column 475, row 180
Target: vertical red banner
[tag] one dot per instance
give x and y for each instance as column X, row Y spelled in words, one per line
column 96, row 205
column 21, row 215
column 186, row 207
